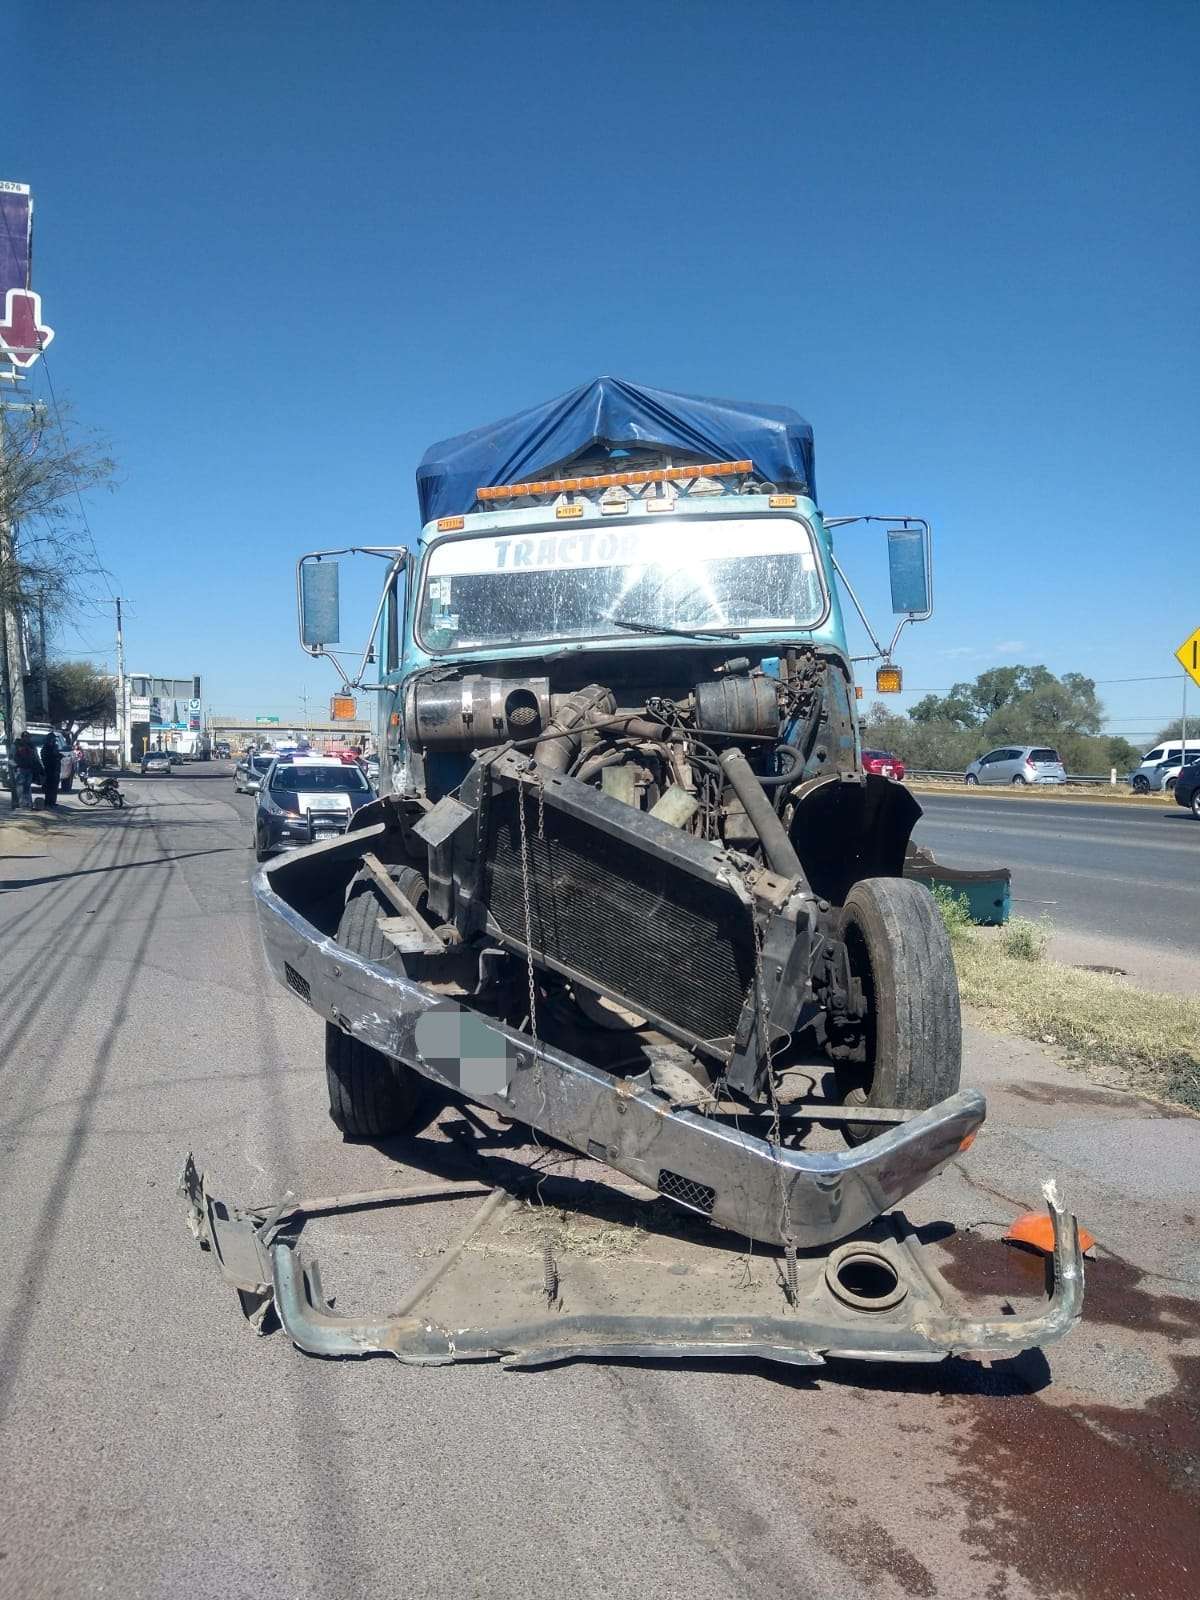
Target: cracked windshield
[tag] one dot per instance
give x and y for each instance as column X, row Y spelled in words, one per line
column 747, row 572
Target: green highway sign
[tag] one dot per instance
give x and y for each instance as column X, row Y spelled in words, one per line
column 274, row 721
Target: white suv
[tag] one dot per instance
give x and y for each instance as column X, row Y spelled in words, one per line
column 1161, row 766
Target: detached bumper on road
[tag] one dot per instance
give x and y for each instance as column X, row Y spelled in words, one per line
column 510, row 1286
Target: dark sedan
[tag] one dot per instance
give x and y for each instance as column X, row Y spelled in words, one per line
column 305, row 798
column 1187, row 788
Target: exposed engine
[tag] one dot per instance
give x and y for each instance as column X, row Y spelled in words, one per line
column 669, row 755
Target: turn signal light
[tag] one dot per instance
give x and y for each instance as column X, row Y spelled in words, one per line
column 888, row 680
column 614, row 480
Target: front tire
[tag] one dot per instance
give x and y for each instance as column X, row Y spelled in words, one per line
column 1141, row 785
column 88, row 797
column 1195, row 806
column 911, row 1050
column 370, row 1095
column 971, row 781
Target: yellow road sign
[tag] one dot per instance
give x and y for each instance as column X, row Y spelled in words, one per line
column 1188, row 656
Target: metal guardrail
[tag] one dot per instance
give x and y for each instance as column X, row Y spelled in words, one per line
column 1072, row 777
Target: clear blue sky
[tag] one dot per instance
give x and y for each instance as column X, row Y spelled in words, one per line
column 285, row 246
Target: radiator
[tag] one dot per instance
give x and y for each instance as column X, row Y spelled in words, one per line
column 609, row 907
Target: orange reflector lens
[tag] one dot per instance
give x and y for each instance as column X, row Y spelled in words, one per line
column 1035, row 1228
column 450, row 524
column 614, row 480
column 858, row 691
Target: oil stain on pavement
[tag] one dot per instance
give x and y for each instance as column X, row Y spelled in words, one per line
column 1081, row 1497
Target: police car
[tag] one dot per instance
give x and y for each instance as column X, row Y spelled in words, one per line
column 303, row 798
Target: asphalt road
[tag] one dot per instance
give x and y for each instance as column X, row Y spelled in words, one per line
column 1123, row 871
column 152, row 1446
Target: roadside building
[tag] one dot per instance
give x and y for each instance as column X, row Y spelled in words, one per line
column 166, row 714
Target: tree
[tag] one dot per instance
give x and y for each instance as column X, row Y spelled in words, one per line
column 1174, row 730
column 1005, row 705
column 80, row 693
column 46, row 554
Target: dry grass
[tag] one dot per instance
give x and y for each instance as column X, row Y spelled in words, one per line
column 1151, row 1040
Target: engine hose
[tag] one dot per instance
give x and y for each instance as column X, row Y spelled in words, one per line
column 777, row 847
column 794, row 774
column 559, row 744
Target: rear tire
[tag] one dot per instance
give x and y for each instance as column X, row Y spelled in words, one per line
column 370, row 1095
column 912, row 1044
column 1169, row 786
column 1019, row 781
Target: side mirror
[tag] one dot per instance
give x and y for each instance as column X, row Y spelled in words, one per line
column 320, row 610
column 909, row 570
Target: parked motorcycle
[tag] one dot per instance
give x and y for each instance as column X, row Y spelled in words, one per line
column 96, row 790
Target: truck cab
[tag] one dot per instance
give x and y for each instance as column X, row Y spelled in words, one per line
column 647, row 587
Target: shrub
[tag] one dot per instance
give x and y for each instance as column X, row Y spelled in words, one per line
column 1025, row 940
column 955, row 910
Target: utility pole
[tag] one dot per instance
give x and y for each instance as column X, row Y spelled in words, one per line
column 122, row 707
column 43, row 666
column 12, row 656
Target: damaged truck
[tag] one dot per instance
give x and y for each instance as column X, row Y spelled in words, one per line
column 628, row 886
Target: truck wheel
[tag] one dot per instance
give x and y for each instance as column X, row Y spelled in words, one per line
column 370, row 1095
column 911, row 1053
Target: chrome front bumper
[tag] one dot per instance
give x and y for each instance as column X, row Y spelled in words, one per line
column 752, row 1187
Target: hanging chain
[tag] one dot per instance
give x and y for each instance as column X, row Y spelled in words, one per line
column 528, row 906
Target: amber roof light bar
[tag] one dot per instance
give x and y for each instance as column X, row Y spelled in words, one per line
column 615, row 480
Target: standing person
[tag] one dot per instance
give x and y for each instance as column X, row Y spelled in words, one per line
column 81, row 763
column 51, row 768
column 25, row 767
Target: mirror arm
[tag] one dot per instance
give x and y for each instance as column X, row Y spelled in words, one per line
column 911, row 616
column 837, row 567
column 398, row 556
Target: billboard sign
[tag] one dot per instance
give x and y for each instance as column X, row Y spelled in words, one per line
column 23, row 335
column 16, row 236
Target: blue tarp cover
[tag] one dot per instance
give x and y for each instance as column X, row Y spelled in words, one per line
column 612, row 414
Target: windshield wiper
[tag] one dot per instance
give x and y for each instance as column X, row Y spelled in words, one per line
column 678, row 633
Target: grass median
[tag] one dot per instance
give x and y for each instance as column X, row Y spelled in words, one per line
column 1148, row 1042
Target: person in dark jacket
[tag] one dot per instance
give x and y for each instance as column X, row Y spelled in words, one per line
column 26, row 768
column 51, row 768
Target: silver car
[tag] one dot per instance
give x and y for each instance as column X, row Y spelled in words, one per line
column 1019, row 764
column 250, row 772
